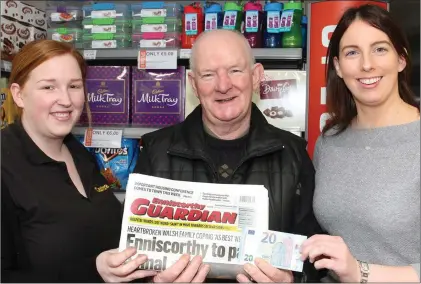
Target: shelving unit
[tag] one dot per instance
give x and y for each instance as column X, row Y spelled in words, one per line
column 259, row 53
column 128, row 131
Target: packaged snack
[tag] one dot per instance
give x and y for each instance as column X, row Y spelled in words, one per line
column 117, row 164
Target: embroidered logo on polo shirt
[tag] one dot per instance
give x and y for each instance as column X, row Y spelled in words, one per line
column 102, row 188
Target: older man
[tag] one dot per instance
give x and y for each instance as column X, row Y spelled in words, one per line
column 227, row 140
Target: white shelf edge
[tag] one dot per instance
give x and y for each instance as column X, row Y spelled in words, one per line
column 259, row 53
column 128, row 132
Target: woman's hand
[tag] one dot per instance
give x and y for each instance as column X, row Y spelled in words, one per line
column 112, row 266
column 332, row 253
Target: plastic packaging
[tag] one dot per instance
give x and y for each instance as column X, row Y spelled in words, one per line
column 68, row 15
column 233, row 16
column 214, row 17
column 155, row 40
column 156, row 24
column 253, row 24
column 156, row 9
column 291, row 20
column 116, row 164
column 69, row 35
column 192, row 24
column 271, row 25
column 110, row 25
column 98, row 41
column 106, row 10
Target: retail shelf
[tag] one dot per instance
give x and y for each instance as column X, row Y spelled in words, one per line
column 259, row 53
column 128, row 132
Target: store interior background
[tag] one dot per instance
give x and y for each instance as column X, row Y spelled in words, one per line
column 406, row 12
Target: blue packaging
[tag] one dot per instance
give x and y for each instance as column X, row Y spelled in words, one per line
column 116, row 164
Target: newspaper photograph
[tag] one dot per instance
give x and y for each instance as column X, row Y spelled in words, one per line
column 165, row 219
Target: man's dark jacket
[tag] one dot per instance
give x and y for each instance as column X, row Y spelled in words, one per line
column 274, row 158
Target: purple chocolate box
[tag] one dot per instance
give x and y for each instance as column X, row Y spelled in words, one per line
column 108, row 89
column 158, row 97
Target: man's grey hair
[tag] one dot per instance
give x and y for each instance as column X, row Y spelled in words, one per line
column 235, row 33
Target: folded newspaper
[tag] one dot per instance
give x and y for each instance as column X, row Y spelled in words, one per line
column 165, row 219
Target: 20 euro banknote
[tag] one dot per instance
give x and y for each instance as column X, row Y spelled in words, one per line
column 281, row 250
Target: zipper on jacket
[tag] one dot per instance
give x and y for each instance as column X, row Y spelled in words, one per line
column 200, row 157
column 244, row 159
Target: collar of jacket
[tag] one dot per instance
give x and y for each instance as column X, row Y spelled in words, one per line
column 190, row 141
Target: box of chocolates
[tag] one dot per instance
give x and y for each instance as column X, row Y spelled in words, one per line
column 158, row 97
column 25, row 13
column 15, row 34
column 108, row 92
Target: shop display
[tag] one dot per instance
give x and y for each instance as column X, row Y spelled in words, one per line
column 109, row 93
column 116, row 164
column 156, row 25
column 214, row 17
column 291, row 25
column 25, row 13
column 192, row 24
column 20, row 24
column 233, row 16
column 64, row 16
column 156, row 9
column 158, row 97
column 65, row 24
column 107, row 25
column 271, row 25
column 253, row 19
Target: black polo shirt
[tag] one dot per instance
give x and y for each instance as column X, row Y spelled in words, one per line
column 49, row 231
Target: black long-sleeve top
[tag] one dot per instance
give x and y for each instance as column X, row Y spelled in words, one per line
column 49, row 231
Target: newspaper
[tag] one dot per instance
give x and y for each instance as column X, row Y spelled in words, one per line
column 165, row 219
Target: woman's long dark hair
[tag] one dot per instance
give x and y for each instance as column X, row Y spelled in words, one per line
column 339, row 100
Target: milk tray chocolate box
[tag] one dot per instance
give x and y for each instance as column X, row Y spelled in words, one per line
column 158, row 97
column 108, row 91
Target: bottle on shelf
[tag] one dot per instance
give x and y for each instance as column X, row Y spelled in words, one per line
column 272, row 35
column 192, row 24
column 253, row 18
column 233, row 16
column 214, row 16
column 291, row 25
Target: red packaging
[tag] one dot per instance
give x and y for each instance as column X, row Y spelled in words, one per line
column 192, row 24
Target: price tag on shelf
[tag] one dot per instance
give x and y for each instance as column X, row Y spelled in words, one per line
column 103, row 138
column 7, row 66
column 157, row 59
column 185, row 53
column 89, row 54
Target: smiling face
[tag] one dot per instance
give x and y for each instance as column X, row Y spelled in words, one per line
column 52, row 98
column 369, row 64
column 223, row 77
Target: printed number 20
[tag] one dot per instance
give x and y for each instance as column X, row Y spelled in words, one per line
column 248, row 257
column 271, row 237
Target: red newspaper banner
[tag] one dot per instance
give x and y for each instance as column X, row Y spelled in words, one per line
column 323, row 17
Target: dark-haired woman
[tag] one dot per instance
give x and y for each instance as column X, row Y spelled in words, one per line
column 367, row 194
